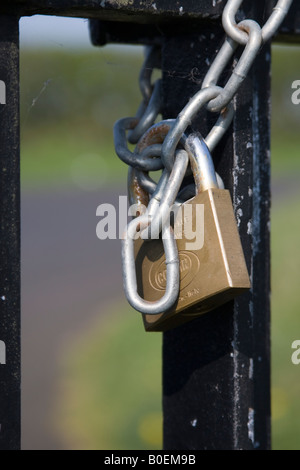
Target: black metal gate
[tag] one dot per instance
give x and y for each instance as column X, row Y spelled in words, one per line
column 216, row 371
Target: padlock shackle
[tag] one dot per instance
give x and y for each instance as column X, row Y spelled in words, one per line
column 170, row 296
column 201, row 163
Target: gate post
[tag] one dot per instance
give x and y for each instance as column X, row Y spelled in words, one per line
column 216, row 369
column 9, row 235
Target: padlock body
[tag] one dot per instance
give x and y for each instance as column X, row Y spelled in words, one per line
column 212, row 265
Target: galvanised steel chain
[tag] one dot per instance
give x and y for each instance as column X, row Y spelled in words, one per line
column 157, row 147
column 247, row 32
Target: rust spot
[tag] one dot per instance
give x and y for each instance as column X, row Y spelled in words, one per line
column 155, row 135
column 243, row 27
column 137, row 193
column 224, row 112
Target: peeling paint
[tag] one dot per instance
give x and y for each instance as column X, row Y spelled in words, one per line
column 251, row 304
column 239, row 200
column 239, row 215
column 120, row 3
column 3, row 297
column 251, row 368
column 251, row 414
column 194, row 423
column 236, row 387
column 237, row 170
column 249, row 228
column 256, row 178
column 216, row 2
column 180, row 11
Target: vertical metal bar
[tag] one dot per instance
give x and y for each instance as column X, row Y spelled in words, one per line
column 9, row 235
column 216, row 369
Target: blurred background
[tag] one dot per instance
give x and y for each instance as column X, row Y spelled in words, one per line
column 91, row 376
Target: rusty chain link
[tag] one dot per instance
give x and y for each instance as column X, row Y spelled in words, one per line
column 163, row 146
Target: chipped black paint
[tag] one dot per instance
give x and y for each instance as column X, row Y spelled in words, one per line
column 121, row 20
column 10, row 236
column 216, row 374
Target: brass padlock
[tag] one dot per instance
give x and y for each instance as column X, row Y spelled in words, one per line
column 214, row 270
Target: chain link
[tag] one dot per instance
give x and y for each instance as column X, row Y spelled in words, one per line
column 268, row 30
column 165, row 146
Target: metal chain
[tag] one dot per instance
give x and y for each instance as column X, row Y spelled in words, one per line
column 158, row 145
column 268, row 30
column 216, row 98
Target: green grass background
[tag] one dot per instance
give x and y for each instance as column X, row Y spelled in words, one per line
column 110, row 386
column 69, row 103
